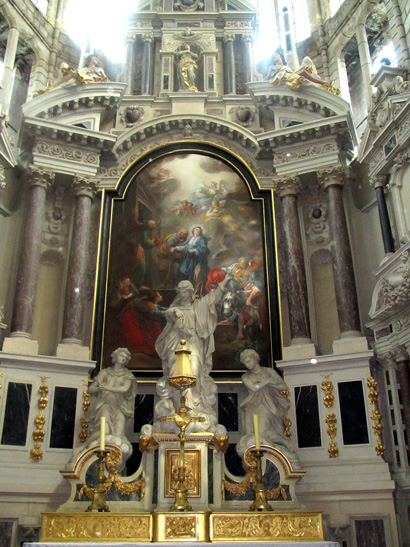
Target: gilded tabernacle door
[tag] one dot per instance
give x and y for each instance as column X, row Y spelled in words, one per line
column 192, row 212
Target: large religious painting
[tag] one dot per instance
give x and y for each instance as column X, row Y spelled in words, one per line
column 186, row 217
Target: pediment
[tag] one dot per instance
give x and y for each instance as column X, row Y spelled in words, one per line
column 367, row 140
column 7, row 157
column 239, row 5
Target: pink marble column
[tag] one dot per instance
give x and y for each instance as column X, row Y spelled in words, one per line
column 288, row 188
column 403, row 375
column 27, row 277
column 85, row 189
column 332, row 179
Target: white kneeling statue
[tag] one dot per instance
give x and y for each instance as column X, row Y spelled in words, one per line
column 264, row 386
column 193, row 320
column 113, row 393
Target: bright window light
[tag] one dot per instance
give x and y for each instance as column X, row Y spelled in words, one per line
column 387, row 52
column 334, row 6
column 99, row 24
column 267, row 40
column 41, row 4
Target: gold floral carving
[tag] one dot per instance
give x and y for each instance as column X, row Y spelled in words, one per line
column 113, row 479
column 267, row 526
column 286, row 422
column 96, row 526
column 146, row 444
column 180, row 527
column 375, row 414
column 221, row 443
column 331, row 419
column 38, row 434
column 82, row 436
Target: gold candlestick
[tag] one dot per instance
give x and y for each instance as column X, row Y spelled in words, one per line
column 98, row 503
column 260, row 503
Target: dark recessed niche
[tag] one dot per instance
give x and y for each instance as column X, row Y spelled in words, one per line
column 63, row 420
column 307, row 417
column 16, row 414
column 353, row 413
column 228, row 411
column 233, row 462
column 143, row 411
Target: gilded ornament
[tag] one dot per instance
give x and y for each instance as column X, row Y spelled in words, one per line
column 82, row 436
column 375, row 414
column 286, row 422
column 38, row 434
column 181, row 527
column 331, row 419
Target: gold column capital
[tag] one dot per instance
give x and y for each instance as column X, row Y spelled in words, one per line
column 287, row 185
column 331, row 175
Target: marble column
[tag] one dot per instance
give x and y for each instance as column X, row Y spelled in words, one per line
column 247, row 40
column 332, row 179
column 288, row 189
column 378, row 184
column 365, row 62
column 147, row 64
column 402, row 359
column 85, row 189
column 39, row 180
column 8, row 70
column 229, row 64
column 129, row 63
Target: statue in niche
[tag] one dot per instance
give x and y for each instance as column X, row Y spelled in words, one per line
column 186, row 69
column 195, row 321
column 113, row 393
column 265, row 398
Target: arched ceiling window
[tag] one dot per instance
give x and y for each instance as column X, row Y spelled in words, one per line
column 298, row 19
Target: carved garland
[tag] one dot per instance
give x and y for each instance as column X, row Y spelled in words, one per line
column 286, row 422
column 112, row 460
column 375, row 414
column 38, row 435
column 82, row 436
column 329, row 402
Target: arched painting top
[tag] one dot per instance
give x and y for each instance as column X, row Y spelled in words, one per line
column 186, row 211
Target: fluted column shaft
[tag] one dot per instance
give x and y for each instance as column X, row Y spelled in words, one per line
column 333, row 179
column 29, row 265
column 288, row 188
column 147, row 68
column 84, row 189
column 247, row 41
column 9, row 60
column 229, row 64
column 403, row 373
column 387, row 235
column 129, row 63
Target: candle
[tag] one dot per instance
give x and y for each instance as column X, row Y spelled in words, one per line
column 256, row 431
column 102, row 433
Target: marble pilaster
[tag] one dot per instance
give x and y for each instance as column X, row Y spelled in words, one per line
column 27, row 277
column 247, row 40
column 85, row 189
column 388, row 242
column 229, row 63
column 129, row 63
column 9, row 60
column 147, row 64
column 332, row 179
column 403, row 373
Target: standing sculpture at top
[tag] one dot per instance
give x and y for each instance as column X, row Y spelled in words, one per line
column 186, row 68
column 195, row 321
